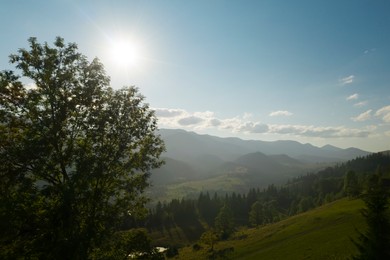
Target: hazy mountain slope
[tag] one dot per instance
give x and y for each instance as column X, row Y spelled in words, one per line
column 286, row 160
column 191, row 156
column 188, row 146
column 260, row 161
column 264, row 169
column 248, row 171
column 172, row 171
column 185, row 146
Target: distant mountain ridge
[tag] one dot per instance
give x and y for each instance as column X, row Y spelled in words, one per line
column 182, row 145
column 196, row 162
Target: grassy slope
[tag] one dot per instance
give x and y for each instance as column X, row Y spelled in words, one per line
column 323, row 233
column 175, row 236
column 225, row 183
column 192, row 189
column 237, row 180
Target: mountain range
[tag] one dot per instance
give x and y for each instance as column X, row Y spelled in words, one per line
column 202, row 159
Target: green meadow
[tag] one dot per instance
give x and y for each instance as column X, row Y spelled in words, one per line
column 322, row 233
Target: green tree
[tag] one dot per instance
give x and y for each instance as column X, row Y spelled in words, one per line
column 256, row 215
column 209, row 238
column 208, row 208
column 75, row 154
column 375, row 242
column 224, row 222
column 351, row 185
column 305, row 204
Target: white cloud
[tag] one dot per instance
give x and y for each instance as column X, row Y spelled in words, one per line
column 369, row 51
column 167, row 112
column 178, row 118
column 206, row 114
column 190, row 120
column 347, row 80
column 247, row 115
column 260, row 128
column 363, row 116
column 361, row 104
column 253, row 127
column 353, row 97
column 281, row 113
column 384, row 112
column 214, row 122
column 287, row 129
column 233, row 124
column 322, row 132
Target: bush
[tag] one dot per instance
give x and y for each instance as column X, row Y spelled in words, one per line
column 196, row 247
column 172, row 252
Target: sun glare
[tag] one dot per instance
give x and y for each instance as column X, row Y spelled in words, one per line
column 125, row 53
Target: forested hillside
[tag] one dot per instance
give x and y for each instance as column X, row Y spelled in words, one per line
column 182, row 221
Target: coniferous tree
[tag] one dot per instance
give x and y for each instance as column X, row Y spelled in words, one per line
column 351, row 186
column 375, row 242
column 207, row 208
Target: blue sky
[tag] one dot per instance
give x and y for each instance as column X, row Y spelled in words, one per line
column 311, row 71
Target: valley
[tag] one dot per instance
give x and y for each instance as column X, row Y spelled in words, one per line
column 198, row 163
column 265, row 206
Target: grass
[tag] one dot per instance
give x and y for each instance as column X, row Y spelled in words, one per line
column 192, row 189
column 323, row 233
column 237, row 180
column 173, row 236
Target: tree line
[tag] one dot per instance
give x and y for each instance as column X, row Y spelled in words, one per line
column 223, row 214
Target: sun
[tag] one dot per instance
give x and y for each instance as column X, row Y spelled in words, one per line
column 125, row 53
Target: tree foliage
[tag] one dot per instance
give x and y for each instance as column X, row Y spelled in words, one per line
column 209, row 238
column 256, row 214
column 224, row 222
column 351, row 184
column 75, row 154
column 374, row 243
